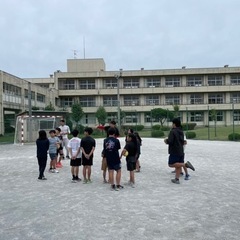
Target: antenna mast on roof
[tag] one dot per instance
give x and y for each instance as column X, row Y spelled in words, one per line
column 75, row 53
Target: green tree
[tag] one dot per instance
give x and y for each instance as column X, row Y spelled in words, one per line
column 77, row 113
column 50, row 107
column 101, row 115
column 176, row 109
column 161, row 115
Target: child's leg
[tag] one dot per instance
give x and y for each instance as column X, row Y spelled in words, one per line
column 132, row 179
column 111, row 175
column 76, row 171
column 85, row 173
column 89, row 171
column 118, row 176
column 73, row 172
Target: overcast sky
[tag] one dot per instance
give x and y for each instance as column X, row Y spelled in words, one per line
column 38, row 36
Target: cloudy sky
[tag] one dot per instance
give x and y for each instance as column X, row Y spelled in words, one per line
column 38, row 36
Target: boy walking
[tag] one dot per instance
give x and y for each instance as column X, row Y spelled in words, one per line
column 88, row 145
column 175, row 143
column 53, row 144
column 75, row 155
column 111, row 147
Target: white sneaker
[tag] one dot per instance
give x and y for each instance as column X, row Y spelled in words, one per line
column 132, row 185
column 55, row 171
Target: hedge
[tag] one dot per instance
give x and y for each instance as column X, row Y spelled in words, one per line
column 190, row 135
column 234, row 137
column 157, row 133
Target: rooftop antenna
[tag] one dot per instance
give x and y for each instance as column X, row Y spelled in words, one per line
column 75, row 53
column 83, row 47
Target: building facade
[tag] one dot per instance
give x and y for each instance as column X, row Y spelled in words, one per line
column 196, row 91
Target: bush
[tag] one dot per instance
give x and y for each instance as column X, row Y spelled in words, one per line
column 80, row 128
column 190, row 135
column 157, row 133
column 156, row 127
column 138, row 127
column 188, row 126
column 234, row 137
column 165, row 128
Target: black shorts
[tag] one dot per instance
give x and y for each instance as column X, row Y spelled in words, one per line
column 175, row 159
column 114, row 166
column 76, row 162
column 131, row 166
column 87, row 162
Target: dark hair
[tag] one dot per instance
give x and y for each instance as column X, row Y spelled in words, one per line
column 75, row 132
column 131, row 130
column 42, row 135
column 111, row 131
column 88, row 130
column 133, row 137
column 62, row 120
column 113, row 122
column 52, row 131
column 138, row 137
column 177, row 122
column 58, row 129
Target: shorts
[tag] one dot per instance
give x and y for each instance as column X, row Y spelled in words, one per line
column 76, row 162
column 175, row 159
column 104, row 164
column 60, row 151
column 115, row 167
column 131, row 166
column 53, row 156
column 87, row 162
column 103, row 153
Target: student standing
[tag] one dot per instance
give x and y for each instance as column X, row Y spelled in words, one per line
column 65, row 130
column 60, row 148
column 53, row 144
column 111, row 147
column 139, row 144
column 175, row 143
column 42, row 148
column 88, row 145
column 130, row 151
column 74, row 145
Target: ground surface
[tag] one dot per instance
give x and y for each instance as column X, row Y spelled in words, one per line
column 205, row 207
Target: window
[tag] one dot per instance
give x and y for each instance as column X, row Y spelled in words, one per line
column 219, row 116
column 110, row 83
column 26, row 94
column 215, row 80
column 215, row 98
column 131, row 100
column 194, row 81
column 172, row 99
column 235, row 97
column 235, row 79
column 131, row 83
column 196, row 116
column 172, row 81
column 152, row 100
column 236, row 115
column 112, row 116
column 152, row 82
column 87, row 84
column 87, row 101
column 196, row 99
column 66, row 84
column 148, row 118
column 131, row 117
column 40, row 98
column 110, row 101
column 67, row 101
column 10, row 89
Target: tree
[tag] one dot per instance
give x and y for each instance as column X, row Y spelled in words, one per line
column 50, row 107
column 161, row 115
column 176, row 109
column 101, row 115
column 77, row 113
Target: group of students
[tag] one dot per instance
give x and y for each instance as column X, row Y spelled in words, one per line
column 80, row 152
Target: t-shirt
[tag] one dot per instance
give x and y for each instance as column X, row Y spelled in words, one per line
column 65, row 129
column 131, row 148
column 53, row 144
column 75, row 144
column 111, row 146
column 87, row 143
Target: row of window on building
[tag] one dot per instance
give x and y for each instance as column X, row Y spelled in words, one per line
column 212, row 80
column 148, row 100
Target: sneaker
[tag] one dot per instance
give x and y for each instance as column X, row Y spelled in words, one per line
column 181, row 173
column 120, row 187
column 78, row 179
column 55, row 171
column 89, row 181
column 173, row 171
column 50, row 169
column 113, row 187
column 175, row 181
column 189, row 165
column 74, row 181
column 67, row 157
column 85, row 181
column 187, row 177
column 105, row 181
column 132, row 185
column 42, row 178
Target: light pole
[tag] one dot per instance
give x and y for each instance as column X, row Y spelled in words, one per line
column 118, row 99
column 233, row 119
